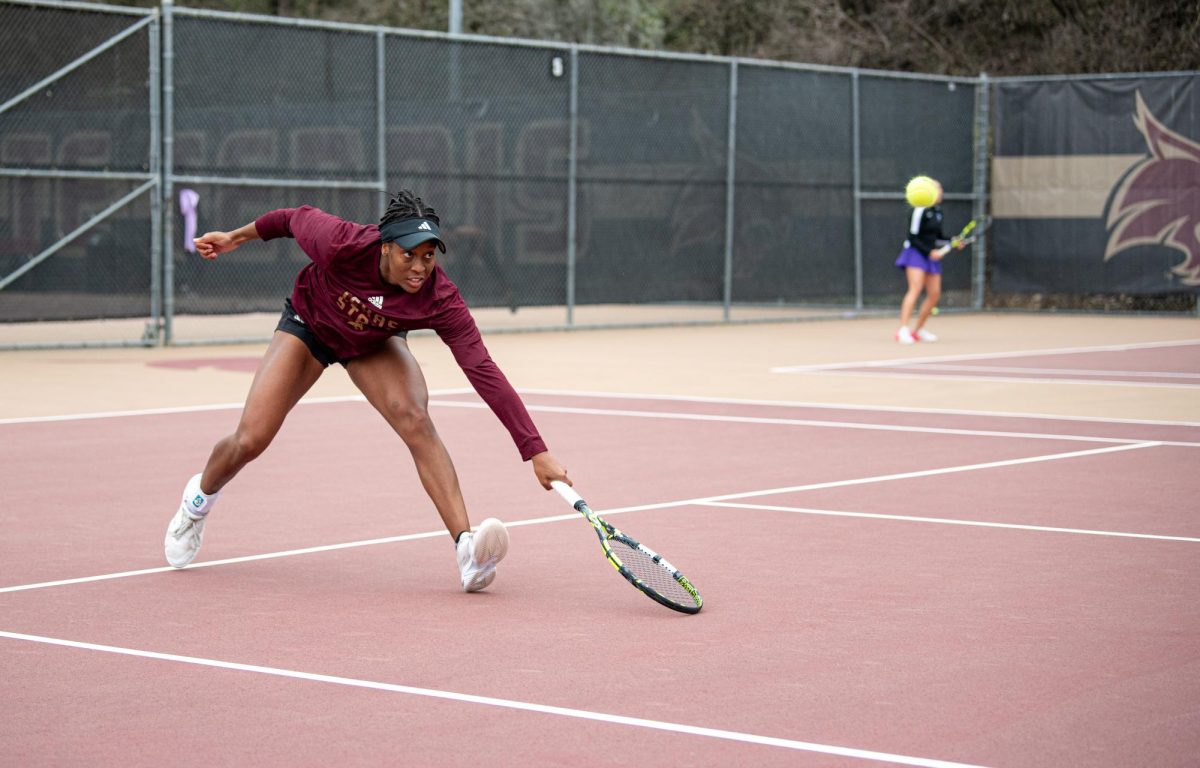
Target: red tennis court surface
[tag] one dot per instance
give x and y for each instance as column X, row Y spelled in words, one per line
column 882, row 587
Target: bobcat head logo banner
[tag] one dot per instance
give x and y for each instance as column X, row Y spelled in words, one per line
column 1158, row 200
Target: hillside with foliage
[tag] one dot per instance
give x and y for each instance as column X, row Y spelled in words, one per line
column 954, row 37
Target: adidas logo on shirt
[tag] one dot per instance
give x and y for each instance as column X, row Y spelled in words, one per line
column 376, row 300
column 425, row 226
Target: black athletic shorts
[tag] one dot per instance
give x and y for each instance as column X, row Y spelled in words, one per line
column 290, row 322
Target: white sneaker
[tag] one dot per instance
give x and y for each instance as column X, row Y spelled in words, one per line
column 184, row 536
column 479, row 552
column 186, row 531
column 924, row 335
column 904, row 335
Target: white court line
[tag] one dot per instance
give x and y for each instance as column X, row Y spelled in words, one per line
column 230, row 560
column 202, row 408
column 928, row 472
column 165, row 411
column 949, row 521
column 467, row 698
column 896, row 361
column 648, row 414
column 1075, row 371
column 849, row 407
column 900, row 373
column 615, row 396
column 608, row 512
column 819, row 423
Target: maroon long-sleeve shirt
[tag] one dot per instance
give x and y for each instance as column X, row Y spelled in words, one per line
column 347, row 305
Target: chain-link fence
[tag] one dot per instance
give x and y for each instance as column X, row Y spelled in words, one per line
column 580, row 186
column 79, row 171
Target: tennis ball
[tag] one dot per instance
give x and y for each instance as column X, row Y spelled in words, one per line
column 921, row 192
column 935, row 310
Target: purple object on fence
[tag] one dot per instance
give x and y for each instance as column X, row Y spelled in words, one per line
column 189, row 200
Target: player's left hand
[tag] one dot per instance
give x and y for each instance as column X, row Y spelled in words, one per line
column 547, row 468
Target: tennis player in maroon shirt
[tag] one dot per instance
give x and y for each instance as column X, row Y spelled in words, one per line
column 366, row 287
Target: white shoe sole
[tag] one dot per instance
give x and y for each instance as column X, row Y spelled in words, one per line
column 491, row 545
column 480, row 580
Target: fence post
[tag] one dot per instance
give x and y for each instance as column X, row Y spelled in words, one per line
column 572, row 178
column 381, row 115
column 167, row 187
column 730, row 176
column 982, row 149
column 856, row 172
column 152, row 334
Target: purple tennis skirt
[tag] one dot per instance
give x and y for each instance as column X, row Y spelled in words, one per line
column 911, row 257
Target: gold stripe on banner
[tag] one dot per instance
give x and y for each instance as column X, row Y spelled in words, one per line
column 1056, row 186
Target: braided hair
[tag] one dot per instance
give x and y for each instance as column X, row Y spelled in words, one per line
column 405, row 205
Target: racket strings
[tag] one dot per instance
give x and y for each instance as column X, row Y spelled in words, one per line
column 650, row 573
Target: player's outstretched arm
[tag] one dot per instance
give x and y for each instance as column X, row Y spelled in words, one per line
column 547, row 468
column 210, row 244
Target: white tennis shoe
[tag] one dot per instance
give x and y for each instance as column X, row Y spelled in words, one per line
column 479, row 552
column 905, row 335
column 186, row 530
column 184, row 536
column 924, row 335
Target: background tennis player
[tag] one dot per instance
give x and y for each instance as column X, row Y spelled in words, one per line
column 921, row 261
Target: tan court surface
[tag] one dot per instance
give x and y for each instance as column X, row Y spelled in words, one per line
column 727, row 361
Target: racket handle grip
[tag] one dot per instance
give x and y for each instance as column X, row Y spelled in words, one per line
column 567, row 492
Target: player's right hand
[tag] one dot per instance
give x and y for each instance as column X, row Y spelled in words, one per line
column 210, row 244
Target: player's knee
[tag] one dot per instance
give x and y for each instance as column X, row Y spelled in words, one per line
column 250, row 444
column 411, row 421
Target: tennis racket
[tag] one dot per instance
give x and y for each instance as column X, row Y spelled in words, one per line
column 641, row 566
column 969, row 234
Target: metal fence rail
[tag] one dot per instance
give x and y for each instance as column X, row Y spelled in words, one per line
column 657, row 187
